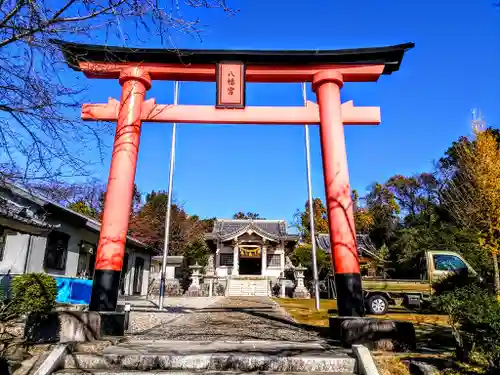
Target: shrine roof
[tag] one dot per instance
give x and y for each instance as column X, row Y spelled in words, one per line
column 226, row 229
column 390, row 56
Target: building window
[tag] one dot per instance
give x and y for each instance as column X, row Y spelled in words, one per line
column 178, row 273
column 273, row 260
column 56, row 251
column 3, row 240
column 86, row 260
column 226, row 259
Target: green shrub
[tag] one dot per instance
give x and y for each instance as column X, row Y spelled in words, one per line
column 474, row 316
column 197, row 252
column 302, row 254
column 33, row 293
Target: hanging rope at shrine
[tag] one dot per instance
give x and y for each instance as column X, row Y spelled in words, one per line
column 250, row 252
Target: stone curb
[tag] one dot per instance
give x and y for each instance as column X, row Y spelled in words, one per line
column 282, row 310
column 54, row 360
column 366, row 364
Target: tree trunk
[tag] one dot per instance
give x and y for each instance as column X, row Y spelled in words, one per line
column 497, row 273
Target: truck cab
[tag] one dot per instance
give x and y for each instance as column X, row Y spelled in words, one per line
column 437, row 265
column 433, row 266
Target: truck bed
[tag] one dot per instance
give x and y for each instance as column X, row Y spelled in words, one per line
column 396, row 285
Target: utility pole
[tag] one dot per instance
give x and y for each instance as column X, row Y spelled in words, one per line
column 169, row 203
column 311, row 208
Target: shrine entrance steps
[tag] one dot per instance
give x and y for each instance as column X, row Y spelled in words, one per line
column 172, row 356
column 234, row 335
column 248, row 286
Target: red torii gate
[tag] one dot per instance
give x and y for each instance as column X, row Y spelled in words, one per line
column 137, row 68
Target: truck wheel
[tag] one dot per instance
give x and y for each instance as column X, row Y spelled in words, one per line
column 378, row 305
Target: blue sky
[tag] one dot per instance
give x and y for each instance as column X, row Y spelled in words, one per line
column 222, row 169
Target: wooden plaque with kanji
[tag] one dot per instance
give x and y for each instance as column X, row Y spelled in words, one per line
column 230, row 85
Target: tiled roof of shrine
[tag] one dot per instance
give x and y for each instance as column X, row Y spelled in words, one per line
column 227, row 229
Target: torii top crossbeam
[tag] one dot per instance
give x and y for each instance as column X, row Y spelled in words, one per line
column 137, row 68
column 199, row 65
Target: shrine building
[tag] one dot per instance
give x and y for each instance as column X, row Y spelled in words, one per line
column 250, row 247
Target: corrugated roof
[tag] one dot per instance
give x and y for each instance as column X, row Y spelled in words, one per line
column 363, row 241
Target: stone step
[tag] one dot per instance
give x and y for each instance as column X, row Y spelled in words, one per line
column 247, row 291
column 187, row 372
column 247, row 356
column 247, row 294
column 248, row 287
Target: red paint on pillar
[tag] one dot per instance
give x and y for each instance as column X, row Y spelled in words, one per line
column 327, row 85
column 135, row 82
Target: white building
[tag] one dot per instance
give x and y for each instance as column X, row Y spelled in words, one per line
column 38, row 235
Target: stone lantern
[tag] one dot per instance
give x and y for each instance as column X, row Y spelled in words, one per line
column 300, row 290
column 194, row 289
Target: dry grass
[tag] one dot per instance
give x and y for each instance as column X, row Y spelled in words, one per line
column 303, row 311
column 391, row 365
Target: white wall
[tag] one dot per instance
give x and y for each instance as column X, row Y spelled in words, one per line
column 15, row 251
column 145, row 276
column 223, row 271
column 274, row 271
column 169, row 272
column 37, row 254
column 129, row 276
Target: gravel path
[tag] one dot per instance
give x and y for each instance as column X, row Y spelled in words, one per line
column 145, row 316
column 233, row 319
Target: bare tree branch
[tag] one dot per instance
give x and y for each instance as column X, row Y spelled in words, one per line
column 41, row 135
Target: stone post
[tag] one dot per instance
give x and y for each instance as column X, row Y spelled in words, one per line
column 236, row 259
column 194, row 289
column 300, row 289
column 210, row 278
column 282, row 259
column 217, row 255
column 264, row 260
column 282, row 280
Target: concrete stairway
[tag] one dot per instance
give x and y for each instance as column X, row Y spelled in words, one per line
column 211, row 357
column 248, row 286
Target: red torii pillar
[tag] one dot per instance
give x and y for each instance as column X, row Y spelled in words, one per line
column 327, row 85
column 136, row 77
column 118, row 201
